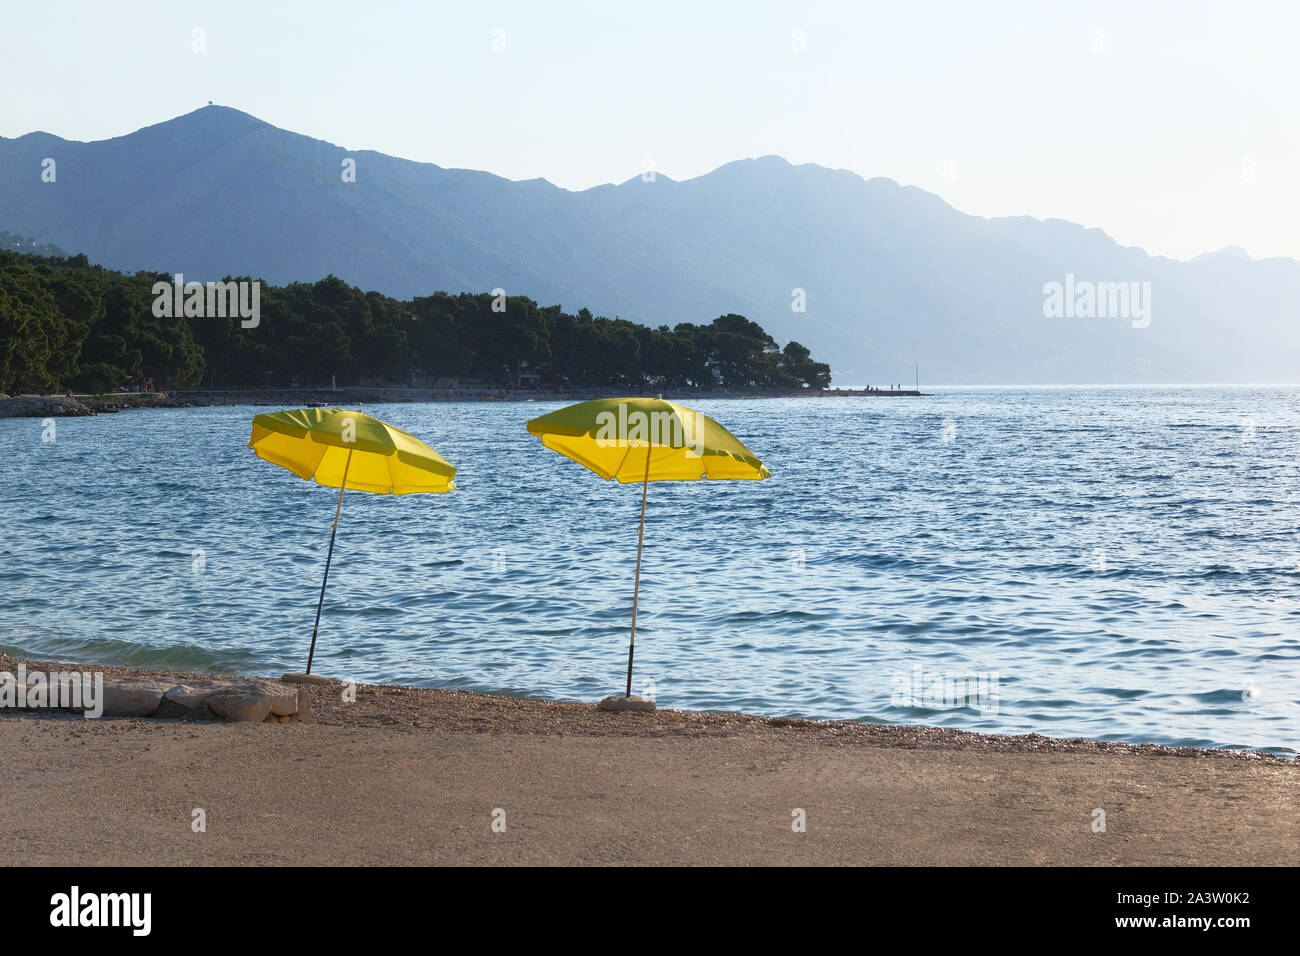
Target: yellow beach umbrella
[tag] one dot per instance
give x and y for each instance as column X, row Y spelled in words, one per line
column 345, row 449
column 645, row 440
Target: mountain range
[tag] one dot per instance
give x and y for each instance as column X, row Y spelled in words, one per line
column 886, row 275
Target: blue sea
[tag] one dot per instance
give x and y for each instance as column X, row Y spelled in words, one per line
column 1113, row 563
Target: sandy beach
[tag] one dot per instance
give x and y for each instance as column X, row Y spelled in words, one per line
column 417, row 776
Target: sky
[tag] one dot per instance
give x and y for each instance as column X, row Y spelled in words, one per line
column 1172, row 126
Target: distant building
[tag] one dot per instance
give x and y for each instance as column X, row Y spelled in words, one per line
column 525, row 377
column 465, row 383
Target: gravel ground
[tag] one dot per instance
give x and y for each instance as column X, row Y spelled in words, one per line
column 417, row 776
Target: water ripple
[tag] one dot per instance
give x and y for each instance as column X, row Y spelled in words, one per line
column 1124, row 561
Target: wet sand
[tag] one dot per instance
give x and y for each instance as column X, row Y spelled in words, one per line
column 418, row 776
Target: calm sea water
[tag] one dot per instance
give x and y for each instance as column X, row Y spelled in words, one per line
column 1123, row 562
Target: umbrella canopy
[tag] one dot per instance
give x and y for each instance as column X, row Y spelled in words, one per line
column 322, row 443
column 645, row 440
column 618, row 437
column 342, row 449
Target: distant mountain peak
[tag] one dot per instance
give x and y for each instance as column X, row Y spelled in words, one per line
column 213, row 116
column 650, row 177
column 1232, row 252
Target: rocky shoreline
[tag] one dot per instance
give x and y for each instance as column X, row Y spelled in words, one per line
column 91, row 693
column 61, row 406
column 73, row 406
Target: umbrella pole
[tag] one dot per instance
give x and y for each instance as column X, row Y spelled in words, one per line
column 328, row 558
column 636, row 587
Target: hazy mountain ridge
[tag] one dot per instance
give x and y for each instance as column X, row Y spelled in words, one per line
column 891, row 273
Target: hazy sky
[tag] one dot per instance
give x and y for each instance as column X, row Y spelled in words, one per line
column 1173, row 126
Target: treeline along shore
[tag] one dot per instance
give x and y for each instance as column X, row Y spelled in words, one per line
column 69, row 326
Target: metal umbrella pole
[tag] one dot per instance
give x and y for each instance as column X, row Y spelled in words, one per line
column 636, row 588
column 338, row 510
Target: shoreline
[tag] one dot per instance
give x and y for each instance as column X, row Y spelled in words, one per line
column 81, row 405
column 416, row 775
column 402, row 705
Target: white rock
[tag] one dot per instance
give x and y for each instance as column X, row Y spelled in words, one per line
column 192, row 695
column 237, row 705
column 307, row 679
column 621, row 702
column 134, row 696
